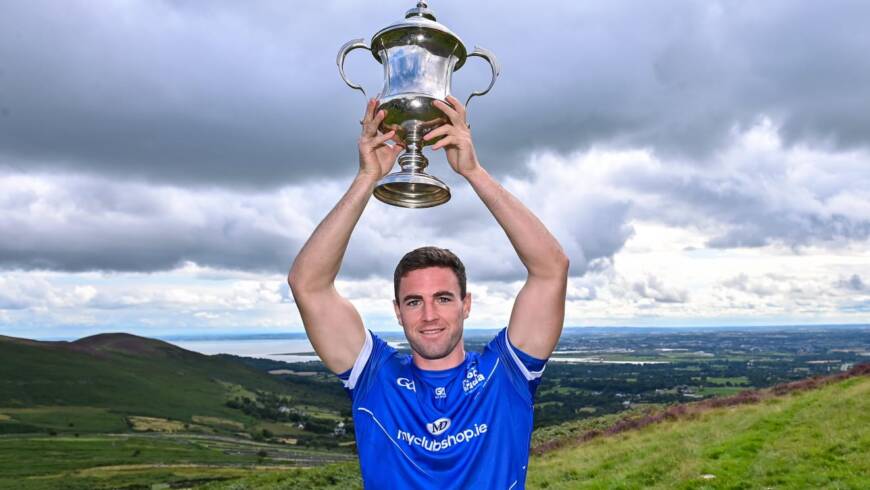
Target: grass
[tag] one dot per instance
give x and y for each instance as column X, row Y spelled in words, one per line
column 720, row 390
column 155, row 424
column 44, row 456
column 340, row 476
column 104, row 462
column 580, row 426
column 734, row 380
column 218, row 422
column 67, row 419
column 815, row 439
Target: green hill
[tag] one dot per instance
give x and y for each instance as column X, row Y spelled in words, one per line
column 127, row 375
column 121, row 411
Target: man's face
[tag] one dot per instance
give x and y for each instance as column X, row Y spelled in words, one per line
column 431, row 311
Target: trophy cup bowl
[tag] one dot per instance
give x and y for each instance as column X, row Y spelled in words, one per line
column 419, row 56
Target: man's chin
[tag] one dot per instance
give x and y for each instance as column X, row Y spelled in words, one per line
column 432, row 352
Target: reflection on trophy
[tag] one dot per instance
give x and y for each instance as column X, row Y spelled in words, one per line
column 419, row 56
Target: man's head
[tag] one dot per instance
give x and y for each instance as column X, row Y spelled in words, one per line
column 431, row 301
column 424, row 257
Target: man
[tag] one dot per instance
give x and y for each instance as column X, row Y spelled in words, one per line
column 440, row 418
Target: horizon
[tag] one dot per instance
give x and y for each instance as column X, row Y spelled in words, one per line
column 236, row 335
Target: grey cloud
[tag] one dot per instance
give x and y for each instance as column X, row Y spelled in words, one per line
column 87, row 224
column 769, row 286
column 750, row 197
column 653, row 288
column 215, row 93
column 74, row 223
column 742, row 282
column 7, row 302
column 583, row 293
column 853, row 283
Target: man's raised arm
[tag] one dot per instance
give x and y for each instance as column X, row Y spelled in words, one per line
column 333, row 325
column 539, row 310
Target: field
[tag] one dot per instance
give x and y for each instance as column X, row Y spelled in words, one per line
column 109, row 462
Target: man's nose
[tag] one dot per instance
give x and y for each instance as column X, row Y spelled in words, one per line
column 429, row 311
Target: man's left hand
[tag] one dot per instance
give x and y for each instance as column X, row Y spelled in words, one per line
column 456, row 140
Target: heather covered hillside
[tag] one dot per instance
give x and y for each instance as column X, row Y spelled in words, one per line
column 817, row 437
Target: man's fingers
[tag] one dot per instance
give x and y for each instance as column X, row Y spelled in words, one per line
column 381, row 139
column 380, row 116
column 450, row 113
column 368, row 122
column 447, row 140
column 370, row 110
column 370, row 128
column 439, row 131
column 460, row 109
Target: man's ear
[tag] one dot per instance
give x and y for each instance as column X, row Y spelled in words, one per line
column 466, row 305
column 396, row 309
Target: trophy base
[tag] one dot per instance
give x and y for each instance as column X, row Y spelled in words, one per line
column 412, row 190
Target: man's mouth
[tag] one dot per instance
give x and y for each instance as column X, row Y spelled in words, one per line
column 431, row 332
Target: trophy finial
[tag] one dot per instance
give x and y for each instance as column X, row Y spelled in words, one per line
column 422, row 10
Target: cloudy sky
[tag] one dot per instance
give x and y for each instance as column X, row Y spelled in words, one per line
column 702, row 163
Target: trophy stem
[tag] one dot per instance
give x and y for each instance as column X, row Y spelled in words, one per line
column 412, row 187
column 412, row 159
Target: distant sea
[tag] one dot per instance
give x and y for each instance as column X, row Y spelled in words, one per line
column 279, row 349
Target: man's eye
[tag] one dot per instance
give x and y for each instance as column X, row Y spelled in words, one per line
column 444, row 299
column 413, row 302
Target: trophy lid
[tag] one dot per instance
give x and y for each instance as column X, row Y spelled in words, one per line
column 420, row 20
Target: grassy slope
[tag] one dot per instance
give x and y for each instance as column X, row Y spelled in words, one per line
column 815, row 439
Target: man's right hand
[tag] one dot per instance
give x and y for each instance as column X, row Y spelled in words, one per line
column 376, row 157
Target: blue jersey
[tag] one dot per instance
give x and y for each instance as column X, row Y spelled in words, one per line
column 465, row 427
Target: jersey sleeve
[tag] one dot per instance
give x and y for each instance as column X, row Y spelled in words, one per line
column 357, row 379
column 525, row 370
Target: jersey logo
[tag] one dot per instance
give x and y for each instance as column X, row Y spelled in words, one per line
column 406, row 383
column 440, row 392
column 472, row 379
column 438, row 426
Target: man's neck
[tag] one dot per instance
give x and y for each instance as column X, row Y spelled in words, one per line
column 455, row 358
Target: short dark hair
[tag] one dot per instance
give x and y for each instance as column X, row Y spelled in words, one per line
column 424, row 257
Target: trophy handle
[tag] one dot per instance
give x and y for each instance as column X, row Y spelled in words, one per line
column 342, row 54
column 489, row 56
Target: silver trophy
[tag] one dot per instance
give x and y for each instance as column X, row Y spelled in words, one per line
column 419, row 56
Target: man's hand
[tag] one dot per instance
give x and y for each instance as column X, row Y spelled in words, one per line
column 332, row 323
column 376, row 157
column 457, row 142
column 539, row 310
